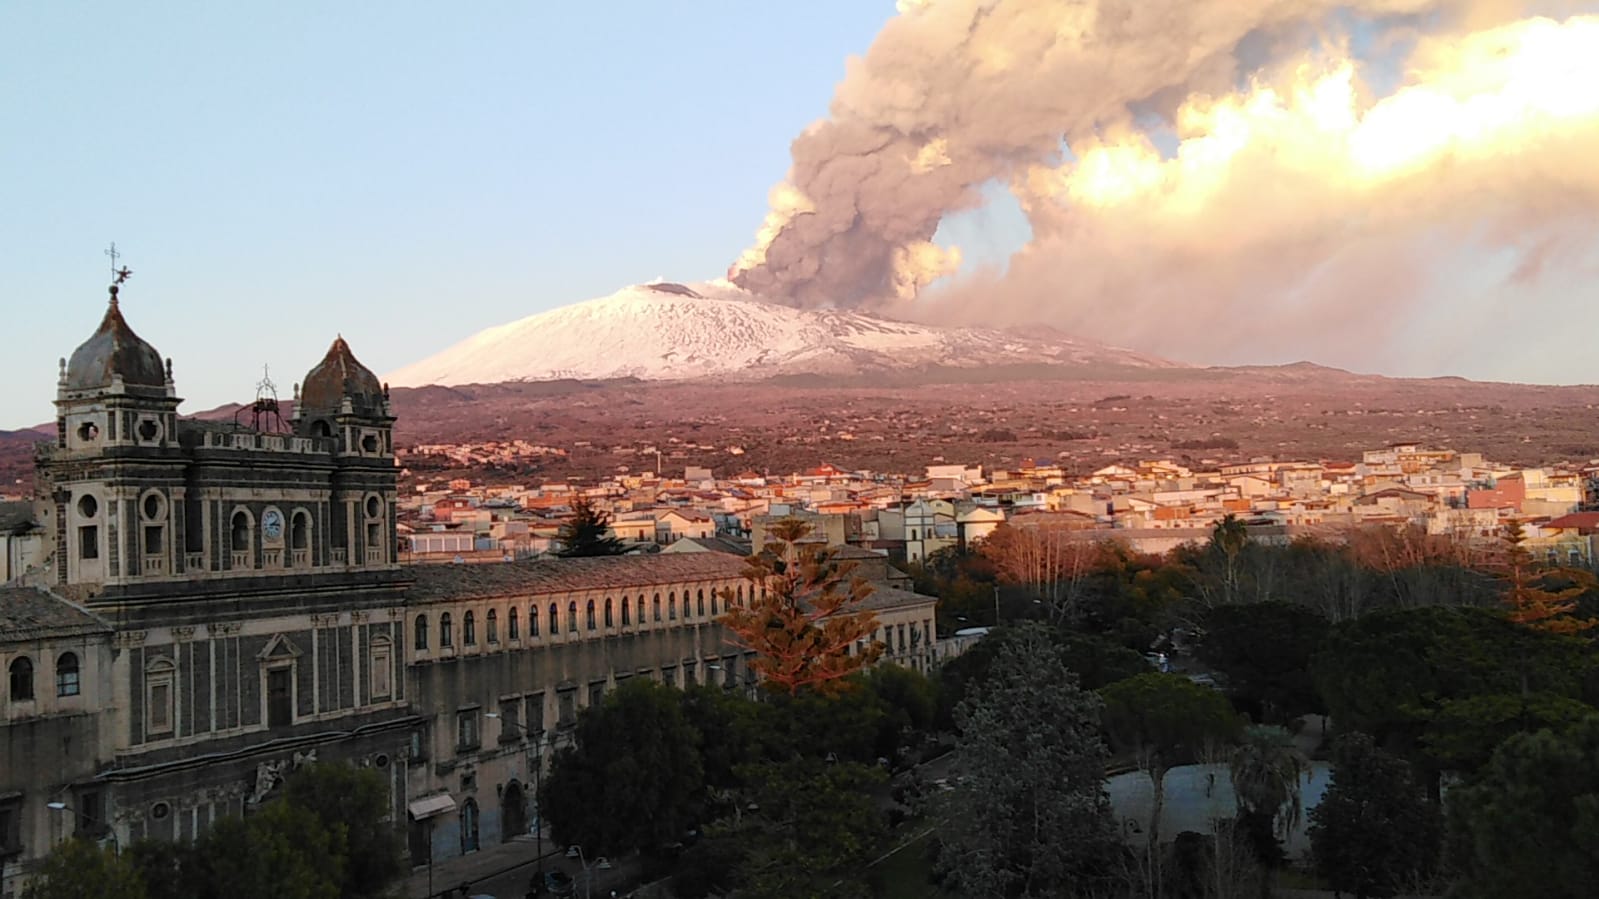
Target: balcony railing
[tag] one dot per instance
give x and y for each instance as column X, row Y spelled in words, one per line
column 338, row 555
column 300, row 558
column 271, row 558
column 374, row 555
column 241, row 558
column 194, row 561
column 154, row 565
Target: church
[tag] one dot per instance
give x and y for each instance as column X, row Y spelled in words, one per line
column 216, row 603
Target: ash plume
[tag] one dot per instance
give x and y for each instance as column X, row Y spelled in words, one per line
column 1294, row 189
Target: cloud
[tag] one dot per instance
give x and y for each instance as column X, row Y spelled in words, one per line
column 1303, row 209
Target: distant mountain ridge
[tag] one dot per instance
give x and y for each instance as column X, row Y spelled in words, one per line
column 669, row 331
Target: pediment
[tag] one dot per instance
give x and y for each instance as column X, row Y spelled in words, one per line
column 279, row 648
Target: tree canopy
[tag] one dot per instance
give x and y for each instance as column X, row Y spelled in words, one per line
column 1265, row 649
column 1373, row 834
column 1529, row 824
column 80, row 868
column 805, row 615
column 632, row 777
column 1029, row 816
column 588, row 532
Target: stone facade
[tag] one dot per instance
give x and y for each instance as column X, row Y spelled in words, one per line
column 214, row 604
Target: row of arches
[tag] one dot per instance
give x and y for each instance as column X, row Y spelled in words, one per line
column 702, row 604
column 20, row 677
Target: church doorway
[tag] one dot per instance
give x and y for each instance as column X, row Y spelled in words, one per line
column 513, row 812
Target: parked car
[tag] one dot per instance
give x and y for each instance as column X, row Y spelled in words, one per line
column 558, row 883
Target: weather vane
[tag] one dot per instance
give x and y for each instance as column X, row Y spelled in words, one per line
column 121, row 274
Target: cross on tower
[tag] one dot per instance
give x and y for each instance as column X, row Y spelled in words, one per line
column 121, row 274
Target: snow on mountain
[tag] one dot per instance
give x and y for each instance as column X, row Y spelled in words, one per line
column 668, row 331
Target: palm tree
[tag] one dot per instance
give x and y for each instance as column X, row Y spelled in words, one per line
column 1267, row 769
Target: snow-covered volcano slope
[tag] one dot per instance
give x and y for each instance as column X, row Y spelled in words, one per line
column 667, row 331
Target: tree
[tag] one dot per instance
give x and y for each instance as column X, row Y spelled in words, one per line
column 588, row 532
column 353, row 803
column 808, row 828
column 1265, row 649
column 1373, row 834
column 631, row 779
column 1266, row 770
column 80, row 868
column 1529, row 594
column 281, row 851
column 1030, row 816
column 1163, row 720
column 805, row 614
column 1529, row 825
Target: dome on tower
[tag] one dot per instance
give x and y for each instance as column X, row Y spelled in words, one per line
column 340, row 375
column 114, row 350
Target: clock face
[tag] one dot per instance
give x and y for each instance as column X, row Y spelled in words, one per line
column 272, row 524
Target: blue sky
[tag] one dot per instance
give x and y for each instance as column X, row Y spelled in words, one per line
column 404, row 173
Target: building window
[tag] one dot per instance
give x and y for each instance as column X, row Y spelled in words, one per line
column 510, row 720
column 571, row 616
column 555, row 622
column 591, row 615
column 714, row 610
column 240, row 532
column 740, row 595
column 21, row 679
column 421, row 629
column 300, row 531
column 657, row 607
column 513, row 630
column 469, row 629
column 699, row 603
column 466, row 733
column 382, row 667
column 596, row 694
column 671, row 607
column 567, row 710
column 280, row 696
column 532, row 621
column 67, row 674
column 91, row 813
column 535, row 714
column 491, row 626
column 641, row 609
column 609, row 622
column 446, row 634
column 158, row 700
column 626, row 618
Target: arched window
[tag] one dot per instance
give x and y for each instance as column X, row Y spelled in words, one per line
column 609, row 620
column 446, row 637
column 469, row 629
column 740, row 595
column 160, row 680
column 591, row 615
column 510, row 625
column 657, row 607
column 241, row 531
column 571, row 616
column 491, row 626
column 555, row 622
column 421, row 629
column 714, row 610
column 699, row 603
column 532, row 621
column 671, row 606
column 641, row 610
column 300, row 531
column 626, row 618
column 21, row 679
column 67, row 674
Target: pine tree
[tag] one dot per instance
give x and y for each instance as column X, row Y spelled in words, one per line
column 804, row 615
column 1527, row 593
column 588, row 532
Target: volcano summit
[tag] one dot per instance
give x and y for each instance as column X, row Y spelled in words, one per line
column 668, row 331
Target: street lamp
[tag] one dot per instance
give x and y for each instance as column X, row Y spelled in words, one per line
column 538, row 787
column 576, row 851
column 58, row 806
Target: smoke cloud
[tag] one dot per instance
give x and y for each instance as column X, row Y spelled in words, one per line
column 1202, row 176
